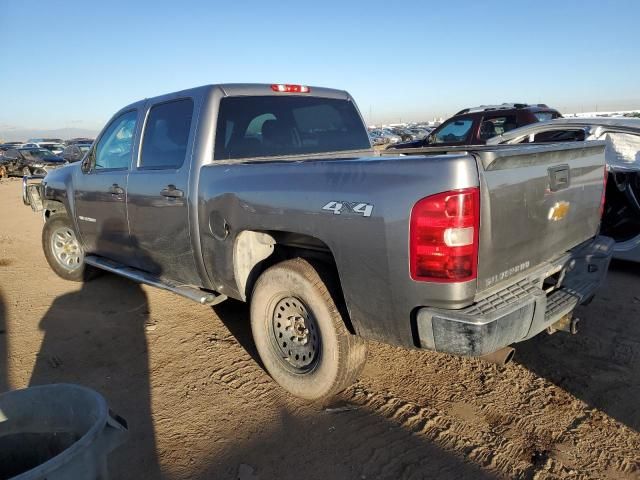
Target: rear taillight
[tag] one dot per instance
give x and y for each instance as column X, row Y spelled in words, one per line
column 604, row 191
column 443, row 237
column 286, row 88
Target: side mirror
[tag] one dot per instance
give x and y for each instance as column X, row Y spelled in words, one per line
column 86, row 164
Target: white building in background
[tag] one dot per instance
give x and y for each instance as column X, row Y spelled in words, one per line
column 618, row 113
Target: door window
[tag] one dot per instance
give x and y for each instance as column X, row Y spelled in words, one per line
column 113, row 151
column 492, row 126
column 166, row 135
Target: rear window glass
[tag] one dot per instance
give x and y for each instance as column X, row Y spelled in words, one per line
column 274, row 126
column 560, row 136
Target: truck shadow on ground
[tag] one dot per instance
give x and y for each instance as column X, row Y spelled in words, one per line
column 356, row 444
column 234, row 314
column 4, row 350
column 600, row 364
column 95, row 337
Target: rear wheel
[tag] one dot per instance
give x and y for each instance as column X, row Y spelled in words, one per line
column 300, row 333
column 26, row 172
column 63, row 250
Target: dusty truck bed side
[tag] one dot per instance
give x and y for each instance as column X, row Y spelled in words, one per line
column 371, row 253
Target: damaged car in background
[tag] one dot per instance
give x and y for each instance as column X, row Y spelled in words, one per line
column 30, row 161
column 621, row 219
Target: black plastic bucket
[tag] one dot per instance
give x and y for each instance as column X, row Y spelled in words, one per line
column 57, row 432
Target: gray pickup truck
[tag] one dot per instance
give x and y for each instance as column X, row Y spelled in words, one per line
column 271, row 194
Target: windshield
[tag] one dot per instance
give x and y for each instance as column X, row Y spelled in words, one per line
column 455, row 131
column 293, row 125
column 84, row 148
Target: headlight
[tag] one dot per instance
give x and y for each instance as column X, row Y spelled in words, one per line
column 37, row 165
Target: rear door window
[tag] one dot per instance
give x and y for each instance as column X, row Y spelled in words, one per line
column 267, row 126
column 166, row 135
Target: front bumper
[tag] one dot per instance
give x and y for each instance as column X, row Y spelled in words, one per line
column 521, row 310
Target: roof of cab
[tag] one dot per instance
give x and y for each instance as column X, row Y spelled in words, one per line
column 242, row 89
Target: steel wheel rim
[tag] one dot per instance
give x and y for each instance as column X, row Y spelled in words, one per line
column 295, row 335
column 66, row 248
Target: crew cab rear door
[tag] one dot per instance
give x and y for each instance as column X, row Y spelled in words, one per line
column 158, row 195
column 537, row 202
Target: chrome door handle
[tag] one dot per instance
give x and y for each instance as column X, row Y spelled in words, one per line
column 115, row 189
column 171, row 192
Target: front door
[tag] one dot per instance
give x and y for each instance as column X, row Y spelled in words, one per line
column 101, row 191
column 158, row 193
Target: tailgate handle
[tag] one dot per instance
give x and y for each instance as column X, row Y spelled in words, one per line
column 559, row 178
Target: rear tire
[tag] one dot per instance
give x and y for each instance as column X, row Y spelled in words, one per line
column 300, row 333
column 63, row 251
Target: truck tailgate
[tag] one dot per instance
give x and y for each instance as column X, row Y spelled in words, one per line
column 536, row 203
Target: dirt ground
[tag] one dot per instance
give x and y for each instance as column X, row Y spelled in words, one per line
column 200, row 407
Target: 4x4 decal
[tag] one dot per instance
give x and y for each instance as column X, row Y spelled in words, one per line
column 358, row 208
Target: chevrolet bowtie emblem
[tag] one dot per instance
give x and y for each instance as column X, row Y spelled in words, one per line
column 558, row 211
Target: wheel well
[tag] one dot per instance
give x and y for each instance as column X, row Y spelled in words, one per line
column 53, row 206
column 254, row 252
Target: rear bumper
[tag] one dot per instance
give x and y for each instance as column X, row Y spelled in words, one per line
column 521, row 310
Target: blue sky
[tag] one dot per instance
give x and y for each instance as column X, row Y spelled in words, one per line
column 73, row 63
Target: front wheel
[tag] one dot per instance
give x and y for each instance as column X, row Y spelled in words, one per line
column 63, row 250
column 26, row 172
column 300, row 333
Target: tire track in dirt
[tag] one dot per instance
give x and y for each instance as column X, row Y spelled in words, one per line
column 524, row 457
column 494, row 441
column 235, row 370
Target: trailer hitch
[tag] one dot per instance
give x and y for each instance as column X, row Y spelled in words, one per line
column 567, row 323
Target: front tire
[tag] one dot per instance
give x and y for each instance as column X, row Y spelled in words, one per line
column 300, row 333
column 63, row 251
column 26, row 172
